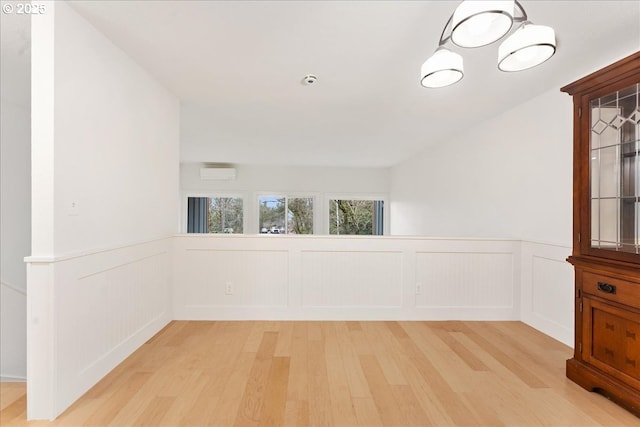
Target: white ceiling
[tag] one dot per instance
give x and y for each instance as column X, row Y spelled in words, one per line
column 237, row 67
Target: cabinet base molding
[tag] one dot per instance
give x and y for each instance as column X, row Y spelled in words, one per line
column 594, row 380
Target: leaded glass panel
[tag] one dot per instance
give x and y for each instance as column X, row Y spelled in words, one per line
column 615, row 171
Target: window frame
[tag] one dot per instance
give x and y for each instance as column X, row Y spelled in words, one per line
column 287, row 195
column 383, row 197
column 184, row 217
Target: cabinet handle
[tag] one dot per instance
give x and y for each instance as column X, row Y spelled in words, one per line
column 606, row 288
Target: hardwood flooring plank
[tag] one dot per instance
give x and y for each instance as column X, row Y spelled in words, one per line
column 508, row 362
column 454, row 405
column 427, row 337
column 78, row 413
column 253, row 341
column 397, row 330
column 381, row 342
column 383, row 398
column 431, row 406
column 226, row 409
column 155, row 411
column 179, row 333
column 367, row 412
column 296, row 414
column 298, row 387
column 460, row 350
column 203, row 404
column 354, row 326
column 356, row 379
column 285, row 339
column 314, row 331
column 360, row 343
column 110, row 408
column 14, row 411
column 275, row 400
column 10, row 392
column 342, row 374
column 319, row 397
column 340, row 395
column 534, row 356
column 251, row 403
column 410, row 406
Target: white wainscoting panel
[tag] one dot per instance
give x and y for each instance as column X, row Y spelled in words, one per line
column 344, row 277
column 458, row 280
column 256, row 278
column 13, row 332
column 351, row 279
column 547, row 288
column 87, row 313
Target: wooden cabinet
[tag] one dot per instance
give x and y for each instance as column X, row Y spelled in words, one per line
column 606, row 232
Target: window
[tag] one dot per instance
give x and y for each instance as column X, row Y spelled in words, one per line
column 285, row 215
column 214, row 215
column 356, row 217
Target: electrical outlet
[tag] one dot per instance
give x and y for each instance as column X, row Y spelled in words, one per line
column 73, row 209
column 228, row 288
column 418, row 288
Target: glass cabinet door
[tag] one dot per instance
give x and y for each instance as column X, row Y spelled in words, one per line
column 615, row 171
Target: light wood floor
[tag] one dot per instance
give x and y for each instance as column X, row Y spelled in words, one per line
column 337, row 374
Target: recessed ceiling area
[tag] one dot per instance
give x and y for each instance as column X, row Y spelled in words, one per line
column 237, row 67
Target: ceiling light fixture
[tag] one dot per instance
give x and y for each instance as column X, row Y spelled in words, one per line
column 443, row 68
column 479, row 23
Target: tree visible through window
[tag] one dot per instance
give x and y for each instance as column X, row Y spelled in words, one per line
column 225, row 215
column 286, row 215
column 356, row 217
column 214, row 215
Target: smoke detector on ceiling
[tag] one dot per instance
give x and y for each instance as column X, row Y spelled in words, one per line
column 309, row 79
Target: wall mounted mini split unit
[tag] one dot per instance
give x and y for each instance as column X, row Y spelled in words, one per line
column 218, row 173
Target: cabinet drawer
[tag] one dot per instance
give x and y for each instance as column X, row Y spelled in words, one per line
column 611, row 288
column 612, row 340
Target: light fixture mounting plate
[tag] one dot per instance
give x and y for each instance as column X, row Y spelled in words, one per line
column 309, row 79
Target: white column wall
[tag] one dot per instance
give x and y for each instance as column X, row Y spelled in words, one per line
column 105, row 192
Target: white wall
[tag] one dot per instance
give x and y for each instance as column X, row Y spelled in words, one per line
column 320, row 182
column 119, row 159
column 509, row 177
column 15, row 193
column 105, row 194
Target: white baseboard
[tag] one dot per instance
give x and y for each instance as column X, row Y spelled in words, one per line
column 12, row 379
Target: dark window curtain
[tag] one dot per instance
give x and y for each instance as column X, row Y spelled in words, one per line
column 197, row 214
column 378, row 217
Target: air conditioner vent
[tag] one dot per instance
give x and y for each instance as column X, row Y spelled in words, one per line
column 218, row 174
